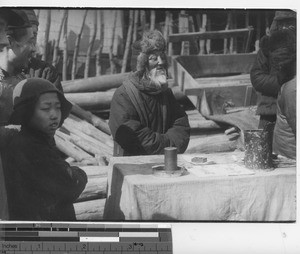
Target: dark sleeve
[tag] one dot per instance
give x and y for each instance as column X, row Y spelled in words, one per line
column 138, row 139
column 179, row 131
column 288, row 105
column 263, row 79
column 42, row 169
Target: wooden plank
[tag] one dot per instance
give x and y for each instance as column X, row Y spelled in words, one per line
column 221, row 34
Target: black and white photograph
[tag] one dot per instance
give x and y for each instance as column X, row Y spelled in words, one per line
column 148, row 115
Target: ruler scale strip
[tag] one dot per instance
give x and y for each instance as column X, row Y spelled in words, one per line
column 52, row 238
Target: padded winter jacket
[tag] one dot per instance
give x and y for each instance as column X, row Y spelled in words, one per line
column 265, row 81
column 146, row 124
column 40, row 184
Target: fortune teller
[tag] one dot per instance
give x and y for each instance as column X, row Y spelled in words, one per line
column 145, row 116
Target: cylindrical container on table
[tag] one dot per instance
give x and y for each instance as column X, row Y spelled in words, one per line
column 258, row 149
column 170, row 159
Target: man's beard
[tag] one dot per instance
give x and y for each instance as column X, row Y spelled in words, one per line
column 158, row 77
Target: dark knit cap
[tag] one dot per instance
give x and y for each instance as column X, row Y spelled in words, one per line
column 25, row 95
column 151, row 42
column 31, row 16
column 11, row 17
column 22, row 20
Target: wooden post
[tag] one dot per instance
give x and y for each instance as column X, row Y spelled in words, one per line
column 57, row 41
column 202, row 29
column 101, row 43
column 166, row 27
column 233, row 42
column 184, row 28
column 111, row 44
column 135, row 26
column 76, row 49
column 65, row 48
column 46, row 38
column 247, row 17
column 90, row 48
column 170, row 45
column 228, row 24
column 143, row 20
column 208, row 41
column 128, row 42
column 152, row 20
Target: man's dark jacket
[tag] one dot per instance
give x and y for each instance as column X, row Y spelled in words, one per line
column 156, row 122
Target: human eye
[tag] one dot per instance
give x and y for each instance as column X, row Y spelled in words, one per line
column 153, row 57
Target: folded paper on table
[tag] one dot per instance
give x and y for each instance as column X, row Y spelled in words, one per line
column 220, row 170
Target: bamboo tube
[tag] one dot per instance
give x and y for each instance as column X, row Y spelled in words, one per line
column 71, row 150
column 90, row 47
column 89, row 129
column 170, row 30
column 135, row 26
column 111, row 44
column 128, row 42
column 46, row 38
column 76, row 49
column 94, row 189
column 184, row 28
column 143, row 19
column 98, row 122
column 152, row 19
column 65, row 48
column 57, row 41
column 167, row 24
column 90, row 210
column 76, row 132
column 101, row 43
column 88, row 147
column 95, row 171
column 95, row 100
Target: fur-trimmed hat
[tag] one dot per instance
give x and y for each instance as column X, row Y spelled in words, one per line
column 152, row 41
column 25, row 95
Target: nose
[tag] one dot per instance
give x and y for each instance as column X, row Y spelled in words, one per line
column 54, row 113
column 160, row 60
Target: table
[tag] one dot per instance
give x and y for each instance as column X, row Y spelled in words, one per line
column 134, row 193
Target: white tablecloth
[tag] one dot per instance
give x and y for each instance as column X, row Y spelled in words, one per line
column 134, row 193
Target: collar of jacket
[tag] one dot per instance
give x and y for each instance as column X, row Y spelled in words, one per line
column 38, row 136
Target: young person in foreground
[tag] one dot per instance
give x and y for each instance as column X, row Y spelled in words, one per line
column 41, row 185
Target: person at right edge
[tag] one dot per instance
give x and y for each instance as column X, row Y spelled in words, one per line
column 264, row 78
column 283, row 60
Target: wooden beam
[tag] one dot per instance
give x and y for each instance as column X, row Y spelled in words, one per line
column 222, row 34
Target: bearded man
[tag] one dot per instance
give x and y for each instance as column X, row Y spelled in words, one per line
column 145, row 116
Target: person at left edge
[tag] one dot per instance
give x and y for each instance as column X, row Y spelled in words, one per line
column 38, row 68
